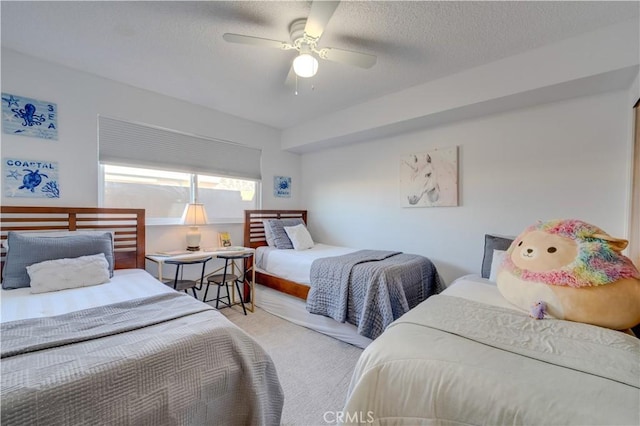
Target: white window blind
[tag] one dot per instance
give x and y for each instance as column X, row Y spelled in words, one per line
column 138, row 145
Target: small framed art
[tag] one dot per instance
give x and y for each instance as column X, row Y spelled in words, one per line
column 224, row 239
column 282, row 186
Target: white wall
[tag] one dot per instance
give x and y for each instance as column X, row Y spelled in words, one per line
column 80, row 97
column 568, row 159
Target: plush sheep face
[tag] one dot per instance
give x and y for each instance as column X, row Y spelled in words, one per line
column 577, row 270
column 540, row 251
column 568, row 253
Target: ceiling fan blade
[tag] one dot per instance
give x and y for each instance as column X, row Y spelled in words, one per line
column 321, row 12
column 256, row 41
column 362, row 60
column 290, row 82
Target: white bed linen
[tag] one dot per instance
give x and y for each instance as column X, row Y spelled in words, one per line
column 126, row 284
column 474, row 287
column 295, row 265
column 413, row 375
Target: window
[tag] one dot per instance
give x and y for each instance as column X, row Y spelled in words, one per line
column 164, row 194
column 161, row 170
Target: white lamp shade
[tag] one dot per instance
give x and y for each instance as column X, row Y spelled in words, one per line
column 305, row 65
column 194, row 215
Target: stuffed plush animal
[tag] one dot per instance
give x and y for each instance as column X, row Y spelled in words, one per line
column 538, row 310
column 572, row 270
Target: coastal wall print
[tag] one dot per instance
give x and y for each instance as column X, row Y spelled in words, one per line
column 30, row 178
column 29, row 117
column 430, row 178
column 282, row 186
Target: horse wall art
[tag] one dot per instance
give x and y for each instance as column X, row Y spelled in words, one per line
column 429, row 179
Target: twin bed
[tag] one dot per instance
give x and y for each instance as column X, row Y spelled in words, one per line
column 346, row 293
column 467, row 356
column 129, row 351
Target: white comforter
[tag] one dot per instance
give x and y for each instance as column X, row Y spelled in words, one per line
column 509, row 369
column 126, row 284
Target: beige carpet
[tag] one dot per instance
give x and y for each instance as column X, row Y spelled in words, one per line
column 314, row 369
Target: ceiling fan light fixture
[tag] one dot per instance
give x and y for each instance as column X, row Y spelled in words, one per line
column 305, row 65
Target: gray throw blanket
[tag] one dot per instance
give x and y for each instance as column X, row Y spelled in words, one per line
column 163, row 360
column 370, row 288
column 19, row 337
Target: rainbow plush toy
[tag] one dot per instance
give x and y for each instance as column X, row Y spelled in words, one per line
column 576, row 271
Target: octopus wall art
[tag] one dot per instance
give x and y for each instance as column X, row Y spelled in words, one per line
column 29, row 117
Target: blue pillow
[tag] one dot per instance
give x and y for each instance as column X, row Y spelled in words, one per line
column 280, row 238
column 25, row 251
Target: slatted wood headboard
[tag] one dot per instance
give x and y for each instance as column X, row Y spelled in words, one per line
column 127, row 225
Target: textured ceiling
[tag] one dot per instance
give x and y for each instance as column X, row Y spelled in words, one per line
column 176, row 48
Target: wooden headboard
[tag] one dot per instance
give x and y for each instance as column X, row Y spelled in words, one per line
column 254, row 238
column 127, row 225
column 254, row 227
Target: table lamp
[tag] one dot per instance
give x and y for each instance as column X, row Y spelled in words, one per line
column 194, row 215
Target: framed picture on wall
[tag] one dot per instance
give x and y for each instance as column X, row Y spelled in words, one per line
column 429, row 178
column 30, row 178
column 282, row 186
column 224, row 239
column 29, row 117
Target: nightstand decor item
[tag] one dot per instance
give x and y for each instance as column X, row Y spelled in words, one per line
column 30, row 178
column 224, row 239
column 194, row 215
column 282, row 186
column 29, row 117
column 430, row 178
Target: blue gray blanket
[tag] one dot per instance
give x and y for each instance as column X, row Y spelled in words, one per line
column 371, row 288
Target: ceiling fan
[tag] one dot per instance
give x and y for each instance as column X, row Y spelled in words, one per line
column 305, row 34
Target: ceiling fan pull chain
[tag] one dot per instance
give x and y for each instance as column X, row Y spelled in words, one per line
column 296, row 91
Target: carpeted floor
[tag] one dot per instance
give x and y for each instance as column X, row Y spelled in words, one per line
column 314, row 369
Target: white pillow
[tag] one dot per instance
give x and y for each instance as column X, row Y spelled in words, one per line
column 60, row 274
column 299, row 236
column 498, row 257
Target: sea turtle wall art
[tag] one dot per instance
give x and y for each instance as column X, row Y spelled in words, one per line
column 30, row 178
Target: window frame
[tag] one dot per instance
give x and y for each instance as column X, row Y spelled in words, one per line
column 193, row 196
